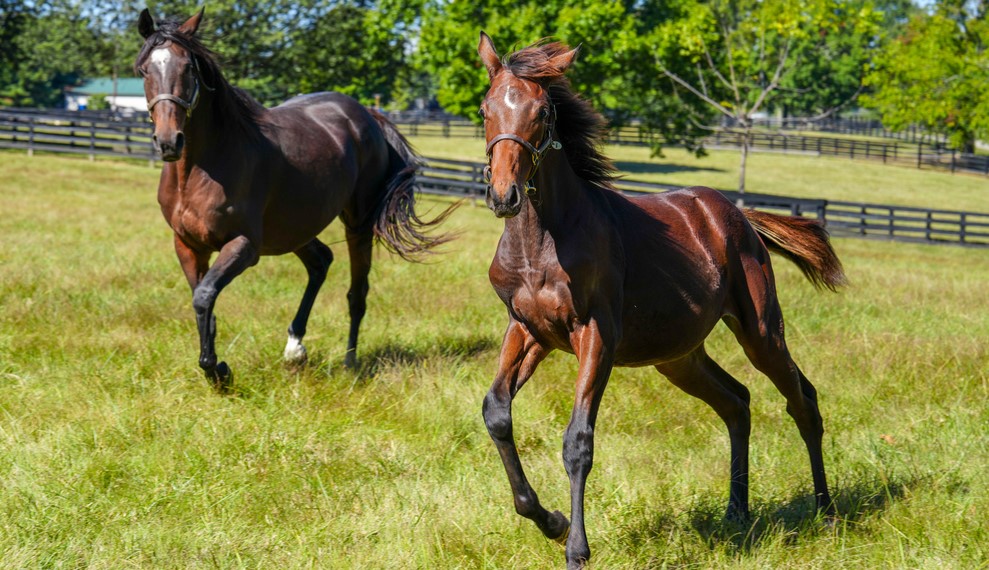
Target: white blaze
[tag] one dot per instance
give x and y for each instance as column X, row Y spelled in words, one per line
column 160, row 57
column 510, row 99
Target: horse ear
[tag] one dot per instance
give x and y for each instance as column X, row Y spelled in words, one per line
column 486, row 49
column 192, row 24
column 146, row 24
column 563, row 61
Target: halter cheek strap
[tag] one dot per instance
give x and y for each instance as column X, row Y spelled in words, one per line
column 187, row 105
column 537, row 153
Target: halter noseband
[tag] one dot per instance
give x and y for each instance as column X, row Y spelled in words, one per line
column 187, row 105
column 537, row 152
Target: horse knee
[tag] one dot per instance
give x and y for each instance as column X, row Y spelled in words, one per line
column 497, row 418
column 203, row 298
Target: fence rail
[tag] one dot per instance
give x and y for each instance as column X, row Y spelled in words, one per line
column 848, row 219
column 128, row 138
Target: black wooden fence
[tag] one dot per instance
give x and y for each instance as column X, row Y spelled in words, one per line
column 94, row 135
column 851, row 219
column 79, row 133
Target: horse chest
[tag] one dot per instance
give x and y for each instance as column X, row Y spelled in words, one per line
column 544, row 305
column 208, row 223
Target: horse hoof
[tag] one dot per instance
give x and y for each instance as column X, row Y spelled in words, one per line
column 350, row 361
column 561, row 521
column 221, row 378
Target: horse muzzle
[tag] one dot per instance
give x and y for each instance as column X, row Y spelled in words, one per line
column 506, row 205
column 170, row 148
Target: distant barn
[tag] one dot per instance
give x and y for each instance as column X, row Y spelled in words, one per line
column 126, row 94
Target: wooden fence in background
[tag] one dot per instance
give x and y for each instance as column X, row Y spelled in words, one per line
column 850, row 219
column 95, row 135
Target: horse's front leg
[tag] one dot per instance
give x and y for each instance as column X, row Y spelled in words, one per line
column 520, row 354
column 236, row 256
column 595, row 352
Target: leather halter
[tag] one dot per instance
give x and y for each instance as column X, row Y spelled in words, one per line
column 537, row 152
column 187, row 105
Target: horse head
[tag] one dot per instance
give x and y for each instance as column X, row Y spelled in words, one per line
column 172, row 79
column 518, row 109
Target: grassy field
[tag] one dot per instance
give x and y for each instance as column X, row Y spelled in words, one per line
column 114, row 453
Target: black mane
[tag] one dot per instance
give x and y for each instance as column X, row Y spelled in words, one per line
column 579, row 127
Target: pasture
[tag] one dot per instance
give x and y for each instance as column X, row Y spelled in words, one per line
column 114, row 452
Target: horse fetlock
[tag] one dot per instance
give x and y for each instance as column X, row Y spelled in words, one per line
column 295, row 352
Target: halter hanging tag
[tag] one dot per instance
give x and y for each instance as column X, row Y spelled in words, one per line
column 556, row 145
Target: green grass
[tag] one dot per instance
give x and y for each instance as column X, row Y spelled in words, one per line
column 114, row 453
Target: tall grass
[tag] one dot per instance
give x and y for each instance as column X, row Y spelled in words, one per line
column 114, row 453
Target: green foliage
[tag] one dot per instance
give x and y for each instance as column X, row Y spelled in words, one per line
column 615, row 70
column 935, row 74
column 46, row 46
column 276, row 49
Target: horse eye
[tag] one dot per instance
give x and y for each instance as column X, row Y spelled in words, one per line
column 543, row 113
column 480, row 112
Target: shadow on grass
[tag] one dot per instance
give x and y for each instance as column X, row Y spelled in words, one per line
column 631, row 167
column 375, row 358
column 776, row 522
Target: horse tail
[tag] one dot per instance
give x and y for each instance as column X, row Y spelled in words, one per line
column 396, row 223
column 804, row 241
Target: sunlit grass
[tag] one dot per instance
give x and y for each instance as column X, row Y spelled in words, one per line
column 114, row 453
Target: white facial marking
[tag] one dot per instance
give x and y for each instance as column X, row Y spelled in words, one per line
column 160, row 57
column 510, row 99
column 294, row 351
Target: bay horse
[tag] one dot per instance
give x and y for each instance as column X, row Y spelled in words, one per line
column 247, row 181
column 620, row 281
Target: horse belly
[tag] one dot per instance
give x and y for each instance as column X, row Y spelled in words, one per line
column 656, row 334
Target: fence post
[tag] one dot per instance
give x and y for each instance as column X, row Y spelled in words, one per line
column 952, row 161
column 920, row 147
column 962, row 227
column 92, row 141
column 30, row 137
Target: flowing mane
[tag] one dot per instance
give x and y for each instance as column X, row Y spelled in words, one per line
column 232, row 107
column 579, row 127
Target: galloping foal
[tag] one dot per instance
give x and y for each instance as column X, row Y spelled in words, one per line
column 626, row 281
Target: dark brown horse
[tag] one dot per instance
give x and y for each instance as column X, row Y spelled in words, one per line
column 626, row 281
column 246, row 181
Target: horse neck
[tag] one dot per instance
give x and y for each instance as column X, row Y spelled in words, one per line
column 555, row 209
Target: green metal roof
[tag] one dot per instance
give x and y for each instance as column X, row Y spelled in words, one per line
column 126, row 86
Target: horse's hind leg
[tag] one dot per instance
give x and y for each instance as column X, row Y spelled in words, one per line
column 317, row 259
column 759, row 329
column 359, row 243
column 701, row 377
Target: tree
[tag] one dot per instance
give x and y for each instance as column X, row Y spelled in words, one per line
column 47, row 46
column 615, row 70
column 276, row 49
column 736, row 55
column 935, row 75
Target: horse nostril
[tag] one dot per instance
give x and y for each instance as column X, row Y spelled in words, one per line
column 179, row 141
column 514, row 196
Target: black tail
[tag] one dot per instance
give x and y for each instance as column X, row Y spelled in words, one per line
column 396, row 223
column 803, row 241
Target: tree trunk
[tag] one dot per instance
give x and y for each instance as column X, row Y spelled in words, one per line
column 746, row 136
